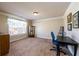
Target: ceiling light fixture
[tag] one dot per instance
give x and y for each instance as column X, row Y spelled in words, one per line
column 35, row 13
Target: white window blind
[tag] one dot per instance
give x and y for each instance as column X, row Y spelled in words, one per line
column 16, row 26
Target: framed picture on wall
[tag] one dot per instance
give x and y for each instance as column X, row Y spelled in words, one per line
column 69, row 18
column 76, row 20
column 69, row 26
column 69, row 22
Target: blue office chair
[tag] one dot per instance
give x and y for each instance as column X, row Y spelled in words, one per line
column 55, row 42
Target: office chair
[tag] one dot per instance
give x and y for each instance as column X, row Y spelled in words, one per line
column 55, row 42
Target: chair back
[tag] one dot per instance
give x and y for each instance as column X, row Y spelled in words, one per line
column 53, row 37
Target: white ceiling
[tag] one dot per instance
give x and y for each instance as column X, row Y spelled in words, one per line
column 25, row 9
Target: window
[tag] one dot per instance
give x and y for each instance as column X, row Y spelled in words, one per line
column 16, row 26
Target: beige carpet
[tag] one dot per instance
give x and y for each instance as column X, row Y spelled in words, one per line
column 31, row 47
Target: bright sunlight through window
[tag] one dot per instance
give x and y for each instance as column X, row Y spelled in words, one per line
column 16, row 26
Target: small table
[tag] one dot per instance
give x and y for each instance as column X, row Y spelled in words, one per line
column 66, row 41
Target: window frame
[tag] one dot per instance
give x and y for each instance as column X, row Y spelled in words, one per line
column 25, row 27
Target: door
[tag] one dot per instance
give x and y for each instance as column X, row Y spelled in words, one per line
column 31, row 31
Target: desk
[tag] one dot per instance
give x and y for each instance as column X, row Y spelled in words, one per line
column 66, row 41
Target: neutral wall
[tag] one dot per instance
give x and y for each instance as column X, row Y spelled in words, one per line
column 4, row 27
column 74, row 7
column 17, row 37
column 3, row 24
column 44, row 27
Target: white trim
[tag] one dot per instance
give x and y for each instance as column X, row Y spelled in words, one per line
column 68, row 8
column 17, row 39
column 11, row 16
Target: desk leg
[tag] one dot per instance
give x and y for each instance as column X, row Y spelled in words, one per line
column 58, row 50
column 75, row 49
